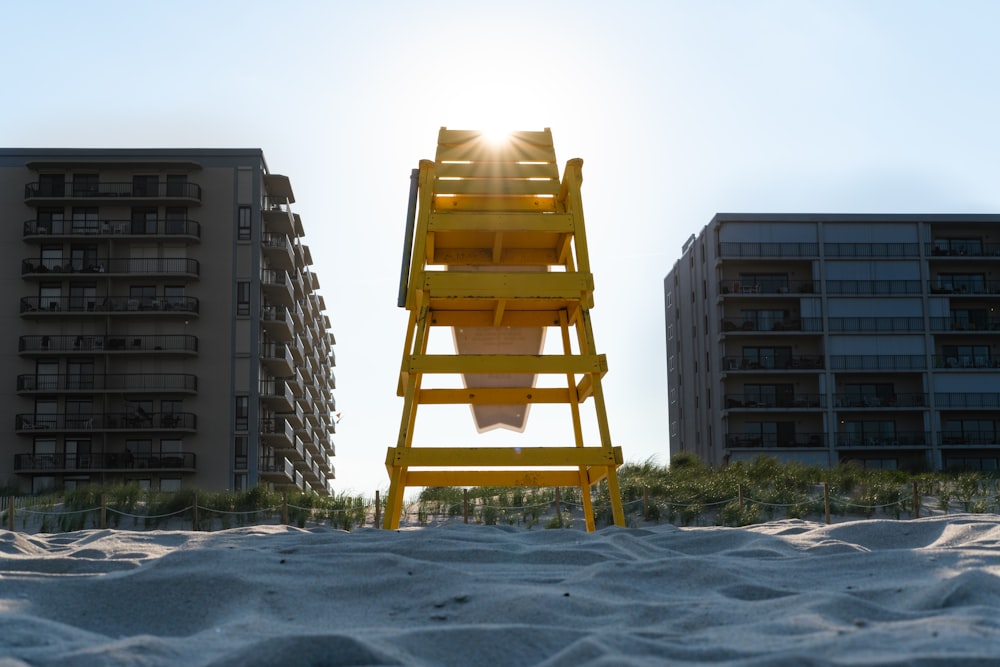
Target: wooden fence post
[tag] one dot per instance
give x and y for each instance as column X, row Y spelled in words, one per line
column 739, row 495
column 378, row 510
column 10, row 513
column 104, row 512
column 194, row 512
column 826, row 502
column 916, row 501
column 284, row 508
column 645, row 502
column 558, row 505
column 465, row 505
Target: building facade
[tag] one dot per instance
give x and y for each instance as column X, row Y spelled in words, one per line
column 163, row 324
column 831, row 338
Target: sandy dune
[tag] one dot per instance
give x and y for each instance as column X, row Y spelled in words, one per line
column 920, row 592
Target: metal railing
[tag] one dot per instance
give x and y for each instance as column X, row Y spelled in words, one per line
column 131, row 189
column 878, row 362
column 756, row 400
column 901, row 400
column 113, row 227
column 744, row 323
column 874, row 324
column 185, row 382
column 110, row 304
column 745, row 440
column 128, row 266
column 104, row 461
column 871, row 249
column 872, row 287
column 107, row 421
column 110, row 342
column 805, row 362
column 754, row 249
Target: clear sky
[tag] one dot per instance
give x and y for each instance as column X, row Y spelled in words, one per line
column 679, row 110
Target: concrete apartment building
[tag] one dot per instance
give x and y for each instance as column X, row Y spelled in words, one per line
column 162, row 324
column 828, row 338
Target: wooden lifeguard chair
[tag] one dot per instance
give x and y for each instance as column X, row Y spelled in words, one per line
column 496, row 249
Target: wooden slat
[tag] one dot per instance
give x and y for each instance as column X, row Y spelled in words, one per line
column 452, row 137
column 490, row 222
column 496, row 186
column 470, row 256
column 493, row 396
column 513, row 285
column 506, row 478
column 519, row 318
column 510, row 203
column 507, row 363
column 502, row 456
column 499, row 170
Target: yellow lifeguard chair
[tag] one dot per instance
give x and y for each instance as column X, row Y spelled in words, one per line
column 496, row 249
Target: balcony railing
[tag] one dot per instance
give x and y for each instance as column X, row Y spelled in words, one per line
column 32, row 305
column 902, row 400
column 170, row 266
column 753, row 249
column 107, row 421
column 967, row 400
column 110, row 343
column 963, row 288
column 954, row 324
column 790, row 363
column 901, row 439
column 742, row 286
column 969, row 438
column 134, row 190
column 871, row 249
column 878, row 362
column 783, row 401
column 729, row 324
column 167, row 382
column 277, row 468
column 144, row 227
column 184, row 461
column 746, row 440
column 872, row 287
column 965, row 362
column 874, row 324
column 961, row 248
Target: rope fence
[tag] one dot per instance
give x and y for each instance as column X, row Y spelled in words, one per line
column 555, row 512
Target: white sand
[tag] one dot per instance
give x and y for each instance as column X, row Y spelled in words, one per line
column 919, row 592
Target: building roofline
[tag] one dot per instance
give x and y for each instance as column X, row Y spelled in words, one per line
column 855, row 217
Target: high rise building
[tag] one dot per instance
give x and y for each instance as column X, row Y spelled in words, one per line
column 831, row 338
column 163, row 325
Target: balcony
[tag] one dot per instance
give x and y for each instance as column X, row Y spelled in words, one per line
column 833, row 250
column 277, row 396
column 878, row 362
column 89, row 344
column 901, row 439
column 869, row 325
column 768, row 250
column 277, row 322
column 756, row 400
column 276, row 432
column 59, row 306
column 130, row 421
column 104, row 462
column 793, row 324
column 277, row 287
column 277, row 358
column 981, row 438
column 967, row 400
column 771, row 440
column 184, row 193
column 277, row 470
column 167, row 267
column 807, row 362
column 89, row 229
column 962, row 248
column 902, row 400
column 872, row 287
column 966, row 363
column 278, row 251
column 110, row 382
column 971, row 287
column 737, row 286
column 954, row 323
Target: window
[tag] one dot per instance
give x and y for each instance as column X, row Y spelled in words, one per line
column 144, row 220
column 46, row 413
column 243, row 298
column 50, row 221
column 52, row 257
column 78, row 453
column 240, row 447
column 85, row 185
column 139, row 452
column 140, row 297
column 968, row 432
column 83, row 257
column 145, row 186
column 869, row 395
column 243, row 224
column 80, row 374
column 83, row 297
column 49, row 296
column 47, row 375
column 176, row 185
column 872, row 432
column 176, row 219
column 961, row 283
column 766, row 357
column 240, row 481
column 84, row 220
column 79, row 413
column 768, row 395
column 173, row 296
column 769, row 434
column 767, row 283
column 170, row 484
column 966, row 356
column 51, row 185
column 242, row 413
column 969, row 320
